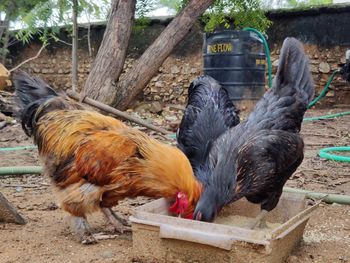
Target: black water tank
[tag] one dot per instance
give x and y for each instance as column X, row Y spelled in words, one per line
column 237, row 60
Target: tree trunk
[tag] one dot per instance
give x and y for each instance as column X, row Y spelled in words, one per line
column 110, row 58
column 89, row 39
column 4, row 29
column 5, row 23
column 75, row 46
column 5, row 45
column 148, row 64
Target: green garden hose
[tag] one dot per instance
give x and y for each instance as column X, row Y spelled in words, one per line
column 324, row 91
column 267, row 52
column 13, row 170
column 324, row 153
column 330, row 116
column 18, row 148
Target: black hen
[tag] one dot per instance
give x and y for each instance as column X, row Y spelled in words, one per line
column 256, row 158
column 209, row 113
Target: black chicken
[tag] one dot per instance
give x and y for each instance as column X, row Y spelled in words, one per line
column 256, row 158
column 209, row 113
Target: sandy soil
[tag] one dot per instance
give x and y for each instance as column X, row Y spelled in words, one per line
column 47, row 238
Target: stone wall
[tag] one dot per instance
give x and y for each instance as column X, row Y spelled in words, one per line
column 171, row 83
column 325, row 34
column 323, row 61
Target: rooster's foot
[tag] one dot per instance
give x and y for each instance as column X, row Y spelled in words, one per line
column 81, row 228
column 120, row 224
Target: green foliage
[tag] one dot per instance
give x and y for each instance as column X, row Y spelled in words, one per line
column 14, row 9
column 176, row 5
column 243, row 13
column 45, row 17
column 172, row 4
column 40, row 15
column 37, row 21
column 143, row 7
column 141, row 23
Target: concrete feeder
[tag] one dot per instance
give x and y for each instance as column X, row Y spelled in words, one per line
column 160, row 237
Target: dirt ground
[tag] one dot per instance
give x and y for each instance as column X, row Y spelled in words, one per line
column 47, row 238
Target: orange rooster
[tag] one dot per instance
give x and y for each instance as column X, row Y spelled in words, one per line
column 94, row 160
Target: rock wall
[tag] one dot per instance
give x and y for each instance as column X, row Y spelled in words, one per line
column 171, row 83
column 323, row 62
column 325, row 34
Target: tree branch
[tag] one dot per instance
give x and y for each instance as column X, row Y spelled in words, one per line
column 29, row 59
column 118, row 113
column 64, row 42
column 148, row 64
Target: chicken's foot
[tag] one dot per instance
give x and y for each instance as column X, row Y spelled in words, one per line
column 81, row 228
column 260, row 220
column 120, row 224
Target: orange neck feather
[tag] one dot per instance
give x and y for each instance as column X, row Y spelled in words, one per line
column 163, row 170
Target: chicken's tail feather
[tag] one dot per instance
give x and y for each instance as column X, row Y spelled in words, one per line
column 205, row 87
column 293, row 71
column 36, row 98
column 205, row 81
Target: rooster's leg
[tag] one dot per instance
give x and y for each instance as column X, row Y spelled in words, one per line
column 260, row 219
column 81, row 228
column 120, row 224
column 119, row 218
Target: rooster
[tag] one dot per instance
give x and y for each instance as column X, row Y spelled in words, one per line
column 256, row 158
column 94, row 160
column 209, row 113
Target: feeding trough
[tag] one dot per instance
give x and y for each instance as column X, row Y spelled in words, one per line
column 159, row 237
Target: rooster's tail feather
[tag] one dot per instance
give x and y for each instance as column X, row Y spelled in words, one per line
column 36, row 98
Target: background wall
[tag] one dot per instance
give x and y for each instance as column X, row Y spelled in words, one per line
column 324, row 32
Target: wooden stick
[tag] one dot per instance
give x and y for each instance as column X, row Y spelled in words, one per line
column 116, row 112
column 29, row 59
column 8, row 212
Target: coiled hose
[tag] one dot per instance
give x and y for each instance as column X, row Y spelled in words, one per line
column 324, row 153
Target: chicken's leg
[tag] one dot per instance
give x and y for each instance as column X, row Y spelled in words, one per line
column 260, row 219
column 120, row 224
column 81, row 228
